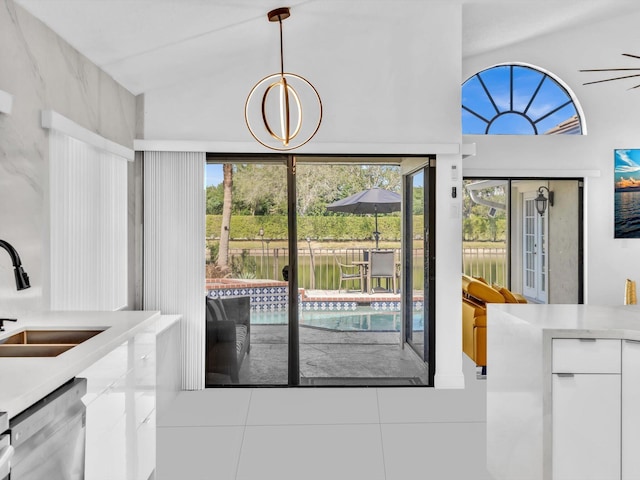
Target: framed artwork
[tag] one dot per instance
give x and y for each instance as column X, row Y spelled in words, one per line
column 627, row 193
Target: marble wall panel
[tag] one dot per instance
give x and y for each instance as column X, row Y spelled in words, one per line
column 42, row 71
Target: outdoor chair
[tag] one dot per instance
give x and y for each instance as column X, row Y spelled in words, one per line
column 228, row 337
column 350, row 273
column 382, row 264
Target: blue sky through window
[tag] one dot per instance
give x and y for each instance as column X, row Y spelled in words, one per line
column 213, row 174
column 514, row 100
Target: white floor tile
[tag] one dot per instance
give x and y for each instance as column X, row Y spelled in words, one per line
column 204, row 453
column 209, row 407
column 312, row 452
column 443, row 451
column 313, row 406
column 419, row 405
column 412, row 405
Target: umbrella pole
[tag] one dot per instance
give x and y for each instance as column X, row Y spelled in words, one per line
column 376, row 234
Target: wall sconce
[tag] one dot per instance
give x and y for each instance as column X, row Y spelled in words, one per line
column 541, row 200
column 276, row 120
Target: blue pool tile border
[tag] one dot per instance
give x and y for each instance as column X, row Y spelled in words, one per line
column 276, row 298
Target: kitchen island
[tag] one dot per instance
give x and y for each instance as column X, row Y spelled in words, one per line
column 563, row 392
column 121, row 370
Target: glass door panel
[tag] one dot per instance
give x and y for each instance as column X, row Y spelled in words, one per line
column 349, row 261
column 246, row 251
column 419, row 259
column 534, row 241
column 415, row 304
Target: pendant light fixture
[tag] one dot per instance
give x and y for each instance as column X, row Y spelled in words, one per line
column 273, row 111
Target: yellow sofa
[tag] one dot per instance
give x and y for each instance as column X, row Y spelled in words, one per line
column 476, row 293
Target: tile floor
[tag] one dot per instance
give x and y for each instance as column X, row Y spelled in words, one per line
column 326, row 433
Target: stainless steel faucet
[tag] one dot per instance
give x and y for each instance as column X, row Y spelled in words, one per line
column 22, row 279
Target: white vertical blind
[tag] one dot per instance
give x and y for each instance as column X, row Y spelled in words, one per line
column 174, row 248
column 88, row 226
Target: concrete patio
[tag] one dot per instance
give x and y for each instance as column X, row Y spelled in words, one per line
column 328, row 354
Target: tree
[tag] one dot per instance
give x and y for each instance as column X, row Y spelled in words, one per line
column 227, row 182
column 215, row 199
column 259, row 189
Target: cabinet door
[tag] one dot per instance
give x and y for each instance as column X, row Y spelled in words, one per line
column 630, row 410
column 586, row 427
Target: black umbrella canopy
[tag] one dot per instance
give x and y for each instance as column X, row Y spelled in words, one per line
column 373, row 200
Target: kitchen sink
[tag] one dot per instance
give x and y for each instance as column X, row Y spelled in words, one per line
column 44, row 343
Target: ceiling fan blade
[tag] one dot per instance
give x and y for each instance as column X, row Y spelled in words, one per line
column 630, row 55
column 608, row 69
column 611, row 79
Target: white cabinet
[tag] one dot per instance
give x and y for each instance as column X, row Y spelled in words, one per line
column 630, row 410
column 121, row 400
column 585, row 355
column 586, row 427
column 586, row 409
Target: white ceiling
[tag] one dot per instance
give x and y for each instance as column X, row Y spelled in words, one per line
column 142, row 43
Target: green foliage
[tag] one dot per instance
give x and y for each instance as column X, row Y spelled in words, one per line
column 259, row 202
column 260, row 189
column 213, row 249
column 353, row 227
column 215, row 197
column 418, row 200
column 243, row 266
column 477, row 224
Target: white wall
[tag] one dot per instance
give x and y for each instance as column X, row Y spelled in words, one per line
column 612, row 120
column 42, row 71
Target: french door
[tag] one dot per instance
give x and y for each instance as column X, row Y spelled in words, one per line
column 534, row 242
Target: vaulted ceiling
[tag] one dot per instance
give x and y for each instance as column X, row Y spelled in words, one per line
column 142, row 43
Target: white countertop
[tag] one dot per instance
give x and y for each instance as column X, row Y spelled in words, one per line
column 618, row 321
column 25, row 380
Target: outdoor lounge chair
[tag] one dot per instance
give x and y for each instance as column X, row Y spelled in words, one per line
column 382, row 264
column 227, row 337
column 350, row 273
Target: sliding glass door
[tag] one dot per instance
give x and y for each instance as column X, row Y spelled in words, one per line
column 247, row 250
column 419, row 260
column 300, row 293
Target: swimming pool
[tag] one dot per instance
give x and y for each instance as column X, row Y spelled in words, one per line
column 360, row 319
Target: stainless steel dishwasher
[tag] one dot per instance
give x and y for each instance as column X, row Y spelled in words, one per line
column 6, row 450
column 49, row 437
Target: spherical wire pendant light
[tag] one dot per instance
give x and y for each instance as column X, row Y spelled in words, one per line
column 278, row 122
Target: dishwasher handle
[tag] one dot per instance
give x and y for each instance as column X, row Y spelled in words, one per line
column 5, row 457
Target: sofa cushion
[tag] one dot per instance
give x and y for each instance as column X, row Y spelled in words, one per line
column 215, row 309
column 241, row 337
column 481, row 291
column 508, row 296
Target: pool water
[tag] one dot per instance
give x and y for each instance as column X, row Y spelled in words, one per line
column 361, row 319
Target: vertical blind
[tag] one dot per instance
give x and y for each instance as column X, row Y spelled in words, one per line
column 88, row 226
column 174, row 249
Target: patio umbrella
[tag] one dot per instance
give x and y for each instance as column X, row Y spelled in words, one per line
column 373, row 200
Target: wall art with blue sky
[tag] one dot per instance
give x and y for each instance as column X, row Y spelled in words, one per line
column 627, row 193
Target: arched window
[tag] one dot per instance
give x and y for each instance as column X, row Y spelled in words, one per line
column 518, row 100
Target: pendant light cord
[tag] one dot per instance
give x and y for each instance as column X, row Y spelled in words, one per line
column 281, row 49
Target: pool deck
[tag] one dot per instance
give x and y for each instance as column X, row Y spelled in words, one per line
column 329, row 354
column 353, row 295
